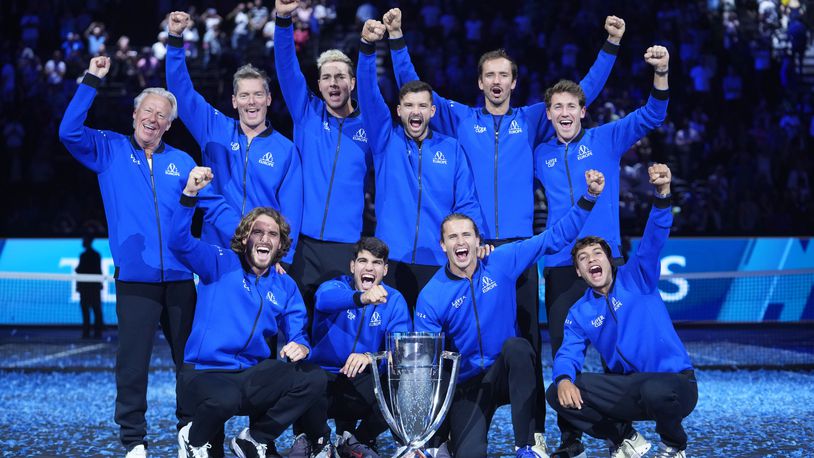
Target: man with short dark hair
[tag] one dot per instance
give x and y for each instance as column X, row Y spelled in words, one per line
column 257, row 165
column 622, row 315
column 330, row 136
column 90, row 297
column 353, row 315
column 474, row 304
column 242, row 300
column 421, row 175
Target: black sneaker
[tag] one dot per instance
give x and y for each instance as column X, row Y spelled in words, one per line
column 185, row 450
column 572, row 450
column 349, row 447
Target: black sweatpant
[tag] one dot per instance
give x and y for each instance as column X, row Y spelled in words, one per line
column 528, row 323
column 612, row 401
column 347, row 400
column 140, row 307
column 273, row 394
column 510, row 380
column 409, row 279
column 315, row 262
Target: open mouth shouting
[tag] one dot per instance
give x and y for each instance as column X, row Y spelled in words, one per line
column 262, row 254
column 595, row 272
column 461, row 254
column 496, row 91
column 368, row 280
column 416, row 121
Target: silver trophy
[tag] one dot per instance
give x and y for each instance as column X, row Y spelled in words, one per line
column 416, row 409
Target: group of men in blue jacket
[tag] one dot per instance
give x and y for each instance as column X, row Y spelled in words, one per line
column 271, row 204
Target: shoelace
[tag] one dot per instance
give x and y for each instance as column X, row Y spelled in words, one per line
column 202, row 451
column 261, row 450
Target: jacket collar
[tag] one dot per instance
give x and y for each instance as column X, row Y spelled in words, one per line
column 485, row 112
column 135, row 145
column 268, row 131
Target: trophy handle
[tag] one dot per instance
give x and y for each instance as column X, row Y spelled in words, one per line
column 377, row 390
column 442, row 412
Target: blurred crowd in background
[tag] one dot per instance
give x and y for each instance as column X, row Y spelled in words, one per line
column 738, row 137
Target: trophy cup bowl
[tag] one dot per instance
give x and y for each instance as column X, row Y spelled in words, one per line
column 414, row 371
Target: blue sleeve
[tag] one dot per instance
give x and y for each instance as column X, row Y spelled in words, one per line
column 90, row 147
column 295, row 317
column 199, row 257
column 518, row 256
column 644, row 267
column 292, row 82
column 399, row 314
column 630, row 129
column 218, row 214
column 198, row 116
column 291, row 199
column 426, row 317
column 447, row 113
column 570, row 357
column 336, row 296
column 597, row 76
column 377, row 119
column 466, row 198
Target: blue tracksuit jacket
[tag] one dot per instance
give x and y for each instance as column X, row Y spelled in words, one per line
column 499, row 148
column 630, row 327
column 264, row 173
column 236, row 309
column 342, row 325
column 560, row 167
column 334, row 151
column 478, row 315
column 417, row 184
column 139, row 201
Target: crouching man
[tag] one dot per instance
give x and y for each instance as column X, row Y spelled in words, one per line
column 242, row 300
column 622, row 315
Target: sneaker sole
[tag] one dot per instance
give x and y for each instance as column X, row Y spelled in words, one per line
column 235, row 449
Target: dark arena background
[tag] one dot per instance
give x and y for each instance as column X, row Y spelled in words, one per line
column 737, row 272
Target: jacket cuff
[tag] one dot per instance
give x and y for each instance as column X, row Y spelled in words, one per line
column 663, row 202
column 610, row 48
column 660, row 94
column 367, row 48
column 188, row 201
column 586, row 202
column 561, row 378
column 357, row 298
column 91, row 80
column 283, row 21
column 175, row 41
column 397, row 43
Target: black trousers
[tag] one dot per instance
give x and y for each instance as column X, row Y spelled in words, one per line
column 510, row 380
column 316, row 262
column 612, row 401
column 273, row 394
column 91, row 299
column 409, row 279
column 347, row 400
column 140, row 307
column 528, row 323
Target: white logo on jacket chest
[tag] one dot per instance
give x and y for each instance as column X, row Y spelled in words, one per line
column 584, row 152
column 235, row 146
column 375, row 319
column 351, row 315
column 135, row 159
column 487, row 284
column 172, row 170
column 267, row 159
column 271, row 298
column 439, row 158
column 458, row 302
column 246, row 285
column 551, row 162
column 616, row 303
column 514, row 128
column 360, row 136
column 480, row 129
column 326, row 126
column 597, row 322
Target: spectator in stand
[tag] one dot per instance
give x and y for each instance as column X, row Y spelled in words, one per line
column 96, row 36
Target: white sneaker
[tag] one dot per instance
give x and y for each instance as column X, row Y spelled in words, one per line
column 635, row 447
column 244, row 442
column 665, row 451
column 185, row 450
column 539, row 445
column 139, row 451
